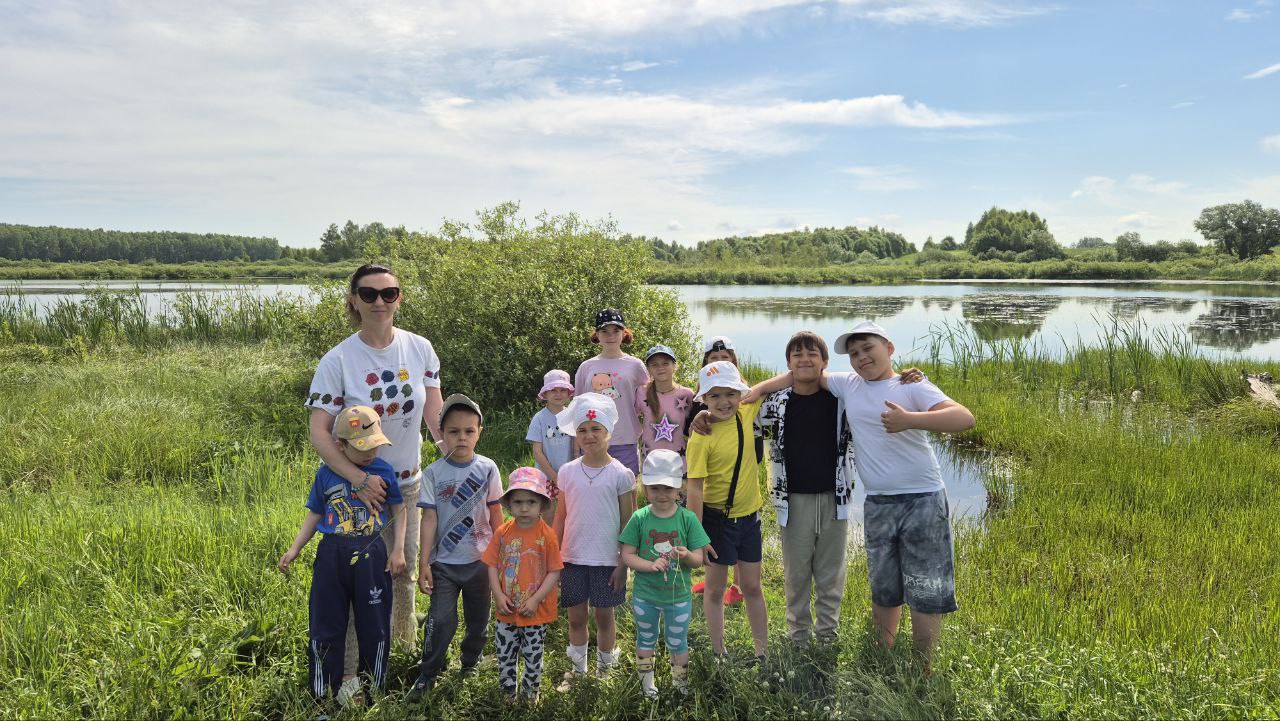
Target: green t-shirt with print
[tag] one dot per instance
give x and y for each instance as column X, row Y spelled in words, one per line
column 653, row 537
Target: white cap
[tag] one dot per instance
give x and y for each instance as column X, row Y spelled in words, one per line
column 721, row 374
column 663, row 468
column 866, row 327
column 588, row 407
column 721, row 340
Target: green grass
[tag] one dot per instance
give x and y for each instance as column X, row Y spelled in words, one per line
column 150, row 493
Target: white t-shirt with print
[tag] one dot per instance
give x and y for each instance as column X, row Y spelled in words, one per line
column 618, row 379
column 391, row 380
column 592, row 522
column 889, row 463
column 556, row 444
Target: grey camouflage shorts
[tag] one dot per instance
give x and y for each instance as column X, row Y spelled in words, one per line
column 909, row 552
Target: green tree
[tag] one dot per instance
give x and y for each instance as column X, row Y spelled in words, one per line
column 1245, row 230
column 1023, row 234
column 1089, row 242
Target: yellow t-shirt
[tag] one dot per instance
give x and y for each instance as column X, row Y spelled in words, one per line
column 711, row 458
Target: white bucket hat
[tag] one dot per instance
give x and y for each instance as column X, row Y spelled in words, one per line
column 866, row 327
column 555, row 378
column 588, row 407
column 721, row 374
column 663, row 468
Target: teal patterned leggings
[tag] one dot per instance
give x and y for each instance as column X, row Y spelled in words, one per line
column 674, row 616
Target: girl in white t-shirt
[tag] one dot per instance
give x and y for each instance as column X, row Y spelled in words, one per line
column 597, row 497
column 616, row 375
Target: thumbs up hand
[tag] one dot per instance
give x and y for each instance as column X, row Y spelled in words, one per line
column 896, row 419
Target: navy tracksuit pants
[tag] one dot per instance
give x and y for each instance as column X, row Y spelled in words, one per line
column 364, row 587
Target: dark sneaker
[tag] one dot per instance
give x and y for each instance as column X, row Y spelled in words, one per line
column 421, row 689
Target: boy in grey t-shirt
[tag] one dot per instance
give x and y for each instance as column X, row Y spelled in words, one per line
column 457, row 498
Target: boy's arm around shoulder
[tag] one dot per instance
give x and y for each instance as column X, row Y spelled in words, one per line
column 764, row 388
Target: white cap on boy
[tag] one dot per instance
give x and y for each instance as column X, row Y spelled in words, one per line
column 663, row 468
column 721, row 374
column 588, row 407
column 866, row 327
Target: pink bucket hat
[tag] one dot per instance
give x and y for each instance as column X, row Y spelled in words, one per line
column 555, row 378
column 527, row 479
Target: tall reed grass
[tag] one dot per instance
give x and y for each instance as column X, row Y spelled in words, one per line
column 149, row 493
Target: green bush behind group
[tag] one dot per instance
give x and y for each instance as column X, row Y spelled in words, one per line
column 156, row 466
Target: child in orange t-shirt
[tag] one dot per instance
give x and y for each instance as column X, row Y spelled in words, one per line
column 524, row 567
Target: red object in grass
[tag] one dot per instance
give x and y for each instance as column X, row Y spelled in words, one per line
column 697, row 587
column 732, row 595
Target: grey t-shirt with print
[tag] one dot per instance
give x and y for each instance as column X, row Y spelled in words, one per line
column 463, row 496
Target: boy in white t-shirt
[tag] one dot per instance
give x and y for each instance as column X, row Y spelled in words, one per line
column 910, row 557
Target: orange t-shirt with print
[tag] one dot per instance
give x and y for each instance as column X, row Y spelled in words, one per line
column 524, row 557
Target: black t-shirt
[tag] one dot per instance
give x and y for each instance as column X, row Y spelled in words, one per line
column 810, row 447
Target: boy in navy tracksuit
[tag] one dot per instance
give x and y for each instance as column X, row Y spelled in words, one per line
column 353, row 568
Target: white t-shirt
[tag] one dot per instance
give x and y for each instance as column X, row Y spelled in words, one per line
column 618, row 379
column 590, row 500
column 889, row 463
column 392, row 381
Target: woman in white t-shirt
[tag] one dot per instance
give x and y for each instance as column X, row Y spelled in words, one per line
column 396, row 373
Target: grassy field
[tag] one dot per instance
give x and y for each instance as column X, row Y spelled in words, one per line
column 1131, row 570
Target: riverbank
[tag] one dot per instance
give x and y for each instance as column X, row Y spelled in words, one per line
column 909, row 268
column 151, row 492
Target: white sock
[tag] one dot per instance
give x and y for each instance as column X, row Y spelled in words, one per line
column 578, row 655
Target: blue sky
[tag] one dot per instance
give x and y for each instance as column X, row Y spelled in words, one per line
column 681, row 119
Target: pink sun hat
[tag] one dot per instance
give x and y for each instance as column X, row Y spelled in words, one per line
column 527, row 479
column 555, row 378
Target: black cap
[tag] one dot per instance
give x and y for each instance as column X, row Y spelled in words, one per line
column 609, row 316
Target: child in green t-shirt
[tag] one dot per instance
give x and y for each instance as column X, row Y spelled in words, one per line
column 661, row 543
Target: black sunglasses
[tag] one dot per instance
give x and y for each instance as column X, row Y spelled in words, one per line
column 369, row 295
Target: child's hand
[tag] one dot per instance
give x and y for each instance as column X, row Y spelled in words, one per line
column 896, row 419
column 661, row 564
column 618, row 579
column 503, row 602
column 528, row 608
column 396, row 564
column 701, row 423
column 680, row 552
column 750, row 396
column 285, row 560
column 911, row 375
column 425, row 583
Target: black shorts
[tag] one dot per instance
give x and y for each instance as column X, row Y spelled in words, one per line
column 733, row 539
column 582, row 584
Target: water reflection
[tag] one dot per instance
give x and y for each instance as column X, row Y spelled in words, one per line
column 1237, row 325
column 846, row 307
column 999, row 316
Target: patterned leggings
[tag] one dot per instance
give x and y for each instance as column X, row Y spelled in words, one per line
column 527, row 641
column 675, row 618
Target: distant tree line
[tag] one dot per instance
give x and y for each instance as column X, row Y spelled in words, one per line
column 803, row 248
column 51, row 243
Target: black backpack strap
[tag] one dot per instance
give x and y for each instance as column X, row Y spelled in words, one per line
column 737, row 466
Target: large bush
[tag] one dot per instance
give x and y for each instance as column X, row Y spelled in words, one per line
column 504, row 300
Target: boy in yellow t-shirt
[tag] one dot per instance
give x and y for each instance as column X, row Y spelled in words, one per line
column 724, row 492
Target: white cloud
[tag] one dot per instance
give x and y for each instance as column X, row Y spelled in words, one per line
column 884, row 179
column 1269, row 70
column 1139, row 221
column 1148, row 184
column 675, row 225
column 636, row 65
column 1271, row 143
column 1240, row 15
column 1183, row 104
column 1094, row 185
column 971, row 13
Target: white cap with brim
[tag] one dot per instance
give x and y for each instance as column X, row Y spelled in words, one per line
column 663, row 468
column 588, row 407
column 721, row 374
column 717, row 342
column 866, row 327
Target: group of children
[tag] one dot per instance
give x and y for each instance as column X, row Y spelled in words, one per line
column 620, row 417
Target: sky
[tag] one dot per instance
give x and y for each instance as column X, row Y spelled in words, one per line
column 680, row 119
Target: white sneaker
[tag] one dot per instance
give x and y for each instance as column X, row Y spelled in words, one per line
column 349, row 693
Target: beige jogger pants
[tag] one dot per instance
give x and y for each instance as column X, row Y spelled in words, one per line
column 813, row 564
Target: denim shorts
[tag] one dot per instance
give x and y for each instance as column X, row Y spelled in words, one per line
column 733, row 539
column 910, row 557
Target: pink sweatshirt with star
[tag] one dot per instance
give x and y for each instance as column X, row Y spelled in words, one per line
column 666, row 428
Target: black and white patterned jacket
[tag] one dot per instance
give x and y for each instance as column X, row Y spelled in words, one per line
column 773, row 418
